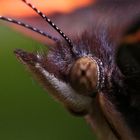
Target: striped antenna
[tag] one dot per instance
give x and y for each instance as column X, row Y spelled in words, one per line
column 29, row 27
column 50, row 22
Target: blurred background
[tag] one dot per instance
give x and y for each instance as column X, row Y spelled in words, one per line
column 26, row 110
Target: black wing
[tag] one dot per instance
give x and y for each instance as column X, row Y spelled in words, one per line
column 128, row 57
column 128, row 60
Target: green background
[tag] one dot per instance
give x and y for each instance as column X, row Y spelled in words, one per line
column 26, row 110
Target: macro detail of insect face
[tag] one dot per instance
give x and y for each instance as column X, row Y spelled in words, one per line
column 84, row 75
column 92, row 76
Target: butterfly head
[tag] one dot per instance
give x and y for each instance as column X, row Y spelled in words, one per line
column 68, row 71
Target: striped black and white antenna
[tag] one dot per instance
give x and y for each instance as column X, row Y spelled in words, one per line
column 29, row 27
column 68, row 40
column 50, row 22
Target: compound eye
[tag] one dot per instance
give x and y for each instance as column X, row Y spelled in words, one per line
column 84, row 76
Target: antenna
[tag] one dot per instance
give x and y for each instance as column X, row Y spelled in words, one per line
column 29, row 27
column 50, row 22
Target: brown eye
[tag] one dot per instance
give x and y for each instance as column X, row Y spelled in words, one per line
column 84, row 75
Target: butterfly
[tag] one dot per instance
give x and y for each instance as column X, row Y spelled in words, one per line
column 96, row 74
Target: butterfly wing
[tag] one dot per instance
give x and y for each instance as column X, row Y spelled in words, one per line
column 128, row 60
column 128, row 56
